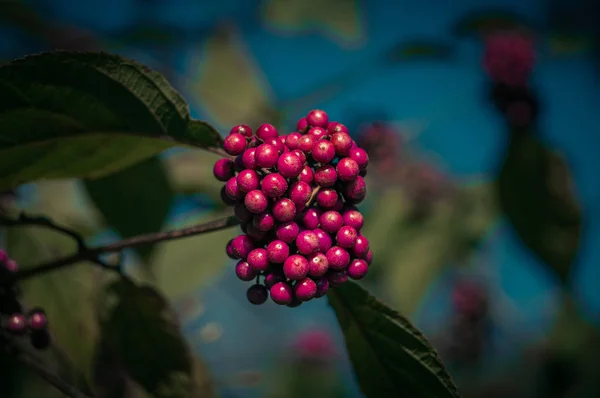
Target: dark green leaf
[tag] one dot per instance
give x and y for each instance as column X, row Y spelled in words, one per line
column 65, row 114
column 391, row 358
column 135, row 200
column 482, row 22
column 537, row 196
column 142, row 335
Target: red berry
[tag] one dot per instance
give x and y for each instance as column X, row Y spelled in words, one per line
column 322, row 287
column 273, row 277
column 317, row 118
column 276, row 142
column 302, row 125
column 257, row 294
column 326, row 176
column 258, row 259
column 342, row 143
column 284, row 210
column 317, row 133
column 331, row 221
column 241, row 246
column 17, row 324
column 325, row 241
column 232, row 189
column 291, row 140
column 230, row 252
column 307, row 242
column 305, row 143
column 244, row 272
column 223, row 169
column 305, row 289
column 266, row 131
column 242, row 129
column 347, row 169
column 299, row 193
column 346, row 237
column 323, row 151
column 358, row 269
column 295, row 267
column 338, row 258
column 249, row 158
column 355, row 191
column 290, row 165
column 353, row 218
column 369, row 257
column 307, row 175
column 274, row 185
column 360, row 156
column 256, row 201
column 337, row 278
column 361, row 247
column 287, row 232
column 248, row 180
column 317, row 264
column 335, row 127
column 264, row 221
column 310, row 218
column 327, row 198
column 281, row 293
column 278, row 251
column 266, row 156
column 234, row 144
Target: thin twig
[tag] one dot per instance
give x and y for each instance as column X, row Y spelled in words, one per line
column 39, row 221
column 313, row 195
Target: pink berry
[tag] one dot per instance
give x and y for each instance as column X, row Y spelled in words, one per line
column 331, row 221
column 299, row 193
column 257, row 294
column 338, row 258
column 234, row 144
column 311, row 217
column 274, row 185
column 278, row 251
column 223, row 169
column 249, row 158
column 264, row 221
column 355, row 191
column 346, row 237
column 307, row 175
column 361, row 247
column 369, row 257
column 232, row 189
column 305, row 143
column 273, row 277
column 295, row 267
column 358, row 269
column 325, row 241
column 337, row 278
column 322, row 287
column 256, row 201
column 335, row 127
column 241, row 246
column 302, row 125
column 323, row 151
column 284, row 210
column 347, row 169
column 317, row 264
column 342, row 143
column 354, row 219
column 281, row 293
column 266, row 156
column 266, row 131
column 300, row 155
column 276, row 142
column 254, row 232
column 242, row 129
column 17, row 324
column 3, row 256
column 242, row 212
column 307, row 242
column 287, row 232
column 360, row 156
column 317, row 118
column 290, row 165
column 248, row 180
column 244, row 271
column 258, row 259
column 291, row 140
column 326, row 176
column 339, row 205
column 317, row 133
column 305, row 289
column 230, row 252
column 327, row 198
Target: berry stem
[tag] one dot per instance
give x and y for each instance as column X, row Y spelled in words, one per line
column 313, row 195
column 92, row 253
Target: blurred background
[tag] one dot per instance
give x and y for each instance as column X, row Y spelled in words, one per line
column 408, row 79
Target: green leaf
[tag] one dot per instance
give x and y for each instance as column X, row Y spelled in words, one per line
column 142, row 335
column 536, row 194
column 391, row 358
column 485, row 21
column 135, row 200
column 85, row 114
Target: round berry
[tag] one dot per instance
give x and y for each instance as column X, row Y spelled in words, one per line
column 355, row 191
column 266, row 131
column 242, row 129
column 264, row 221
column 360, row 156
column 307, row 242
column 358, row 269
column 353, row 218
column 317, row 264
column 234, row 144
column 273, row 277
column 307, row 175
column 248, row 180
column 232, row 189
column 323, row 151
column 369, row 257
column 225, row 198
column 331, row 221
column 284, row 210
column 338, row 258
column 342, row 143
column 257, row 294
column 305, row 143
column 242, row 245
column 361, row 247
column 3, row 256
column 326, row 176
column 37, row 319
column 290, row 165
column 325, row 241
column 276, row 142
column 254, row 232
column 291, row 140
column 301, row 125
column 311, row 217
column 256, row 201
column 305, row 289
column 278, row 251
column 249, row 158
column 339, row 205
column 317, row 118
column 281, row 293
column 244, row 271
column 337, row 278
column 300, row 154
column 266, row 156
column 17, row 324
column 347, row 169
column 327, row 198
column 223, row 169
column 335, row 127
column 258, row 259
column 287, row 232
column 238, row 164
column 346, row 237
column 283, row 141
column 322, row 287
column 317, row 132
column 299, row 193
column 230, row 252
column 295, row 267
column 242, row 213
column 274, row 185
column 295, row 303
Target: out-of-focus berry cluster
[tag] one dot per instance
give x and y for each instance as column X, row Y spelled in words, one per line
column 295, row 196
column 13, row 320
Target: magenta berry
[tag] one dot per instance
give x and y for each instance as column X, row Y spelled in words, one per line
column 242, row 129
column 37, row 320
column 258, row 259
column 306, row 143
column 305, row 289
column 290, row 165
column 242, row 245
column 234, row 144
column 307, row 242
column 254, row 232
column 342, row 143
column 244, row 271
column 242, row 213
column 347, row 169
column 317, row 133
column 257, row 294
column 326, row 176
column 300, row 155
column 346, row 237
column 284, row 210
column 266, row 156
column 353, row 218
column 299, row 193
column 337, row 278
column 232, row 189
column 274, row 185
column 317, row 118
column 223, row 169
column 295, row 267
column 247, row 180
column 307, row 175
column 360, row 156
column 317, row 264
column 287, row 232
column 230, row 252
column 331, row 221
column 338, row 258
column 357, row 269
column 278, row 251
column 335, row 127
column 264, row 221
column 256, row 201
column 325, row 241
column 273, row 277
column 355, row 191
column 327, row 198
column 323, row 151
column 266, row 131
column 311, row 217
column 17, row 324
column 322, row 287
column 249, row 158
column 361, row 247
column 282, row 293
column 225, row 198
column 276, row 142
column 369, row 257
column 291, row 140
column 302, row 125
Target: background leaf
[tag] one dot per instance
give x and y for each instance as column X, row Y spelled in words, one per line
column 391, row 358
column 84, row 114
column 536, row 194
column 135, row 200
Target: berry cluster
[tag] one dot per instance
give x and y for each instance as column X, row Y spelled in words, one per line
column 295, row 196
column 34, row 323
